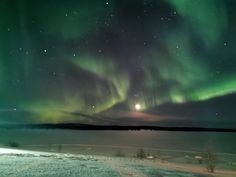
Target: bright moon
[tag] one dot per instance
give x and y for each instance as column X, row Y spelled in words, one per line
column 137, row 107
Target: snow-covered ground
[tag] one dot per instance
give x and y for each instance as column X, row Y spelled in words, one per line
column 19, row 163
column 14, row 163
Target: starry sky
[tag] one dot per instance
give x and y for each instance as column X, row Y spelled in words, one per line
column 61, row 60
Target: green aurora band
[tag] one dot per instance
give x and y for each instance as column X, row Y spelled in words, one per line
column 44, row 73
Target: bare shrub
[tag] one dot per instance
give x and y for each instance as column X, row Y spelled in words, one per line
column 13, row 144
column 210, row 160
column 119, row 153
column 141, row 154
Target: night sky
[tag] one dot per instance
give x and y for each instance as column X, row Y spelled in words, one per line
column 120, row 61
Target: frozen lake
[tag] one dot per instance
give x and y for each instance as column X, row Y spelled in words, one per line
column 194, row 141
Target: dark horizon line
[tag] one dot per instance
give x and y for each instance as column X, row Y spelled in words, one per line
column 78, row 126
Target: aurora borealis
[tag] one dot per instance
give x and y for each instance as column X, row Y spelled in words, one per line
column 87, row 56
